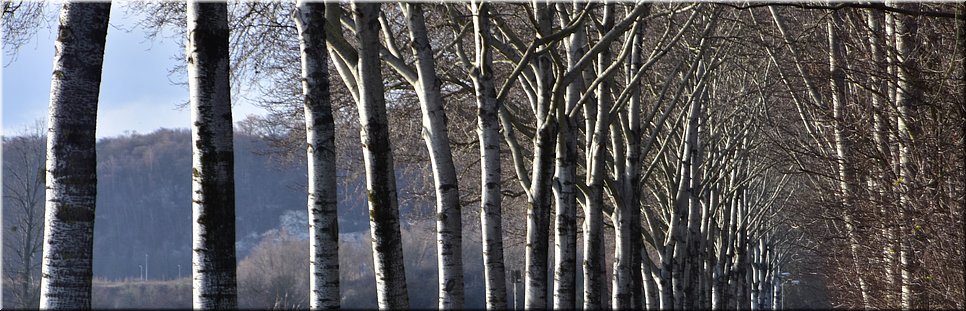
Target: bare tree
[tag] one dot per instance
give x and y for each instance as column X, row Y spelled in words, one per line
column 449, row 224
column 488, row 128
column 23, row 184
column 20, row 21
column 380, row 172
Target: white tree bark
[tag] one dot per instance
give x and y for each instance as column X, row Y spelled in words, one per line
column 538, row 213
column 597, row 126
column 630, row 186
column 884, row 175
column 564, row 183
column 213, row 200
column 448, row 212
column 491, row 218
column 321, row 158
column 387, row 253
column 842, row 146
column 71, row 168
column 907, row 100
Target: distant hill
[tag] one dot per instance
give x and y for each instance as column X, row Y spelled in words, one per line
column 144, row 201
column 144, row 208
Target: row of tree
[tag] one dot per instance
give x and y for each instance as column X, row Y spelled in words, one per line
column 721, row 143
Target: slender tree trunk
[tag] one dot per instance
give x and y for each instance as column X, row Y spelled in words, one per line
column 596, row 137
column 71, row 169
column 883, row 173
column 564, row 184
column 449, row 223
column 387, row 253
column 651, row 290
column 627, row 215
column 842, row 147
column 491, row 218
column 720, row 293
column 692, row 272
column 907, row 100
column 320, row 149
column 213, row 178
column 631, row 184
column 565, row 241
column 538, row 213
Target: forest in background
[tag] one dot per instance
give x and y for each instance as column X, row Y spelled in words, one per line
column 716, row 147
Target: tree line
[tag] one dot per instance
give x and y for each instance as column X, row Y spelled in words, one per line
column 721, row 144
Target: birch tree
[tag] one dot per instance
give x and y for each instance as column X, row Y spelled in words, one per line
column 71, row 168
column 387, row 250
column 488, row 129
column 213, row 199
column 565, row 175
column 321, row 159
column 908, row 96
column 448, row 211
column 596, row 131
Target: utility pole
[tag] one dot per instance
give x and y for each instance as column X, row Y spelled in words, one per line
column 145, row 267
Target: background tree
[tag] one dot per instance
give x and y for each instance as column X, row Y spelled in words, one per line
column 23, row 184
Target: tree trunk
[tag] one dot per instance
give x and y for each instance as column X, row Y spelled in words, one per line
column 71, row 169
column 630, row 187
column 596, row 124
column 387, row 253
column 213, row 178
column 907, row 100
column 842, row 147
column 448, row 213
column 881, row 180
column 491, row 218
column 538, row 213
column 320, row 150
column 564, row 183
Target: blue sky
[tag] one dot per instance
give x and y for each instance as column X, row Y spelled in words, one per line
column 136, row 90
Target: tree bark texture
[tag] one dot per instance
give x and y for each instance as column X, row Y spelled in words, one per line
column 387, row 253
column 538, row 213
column 491, row 214
column 71, row 168
column 449, row 235
column 213, row 172
column 321, row 158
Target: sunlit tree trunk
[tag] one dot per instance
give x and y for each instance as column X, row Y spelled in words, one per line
column 71, row 169
column 597, row 127
column 564, row 182
column 213, row 178
column 908, row 98
column 491, row 218
column 631, row 183
column 321, row 159
column 538, row 213
column 881, row 135
column 448, row 213
column 626, row 216
column 842, row 146
column 387, row 253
